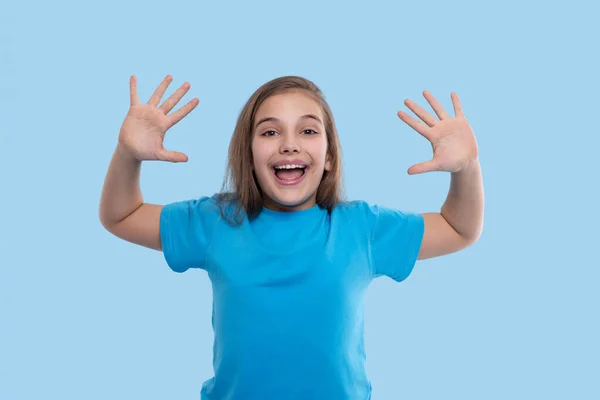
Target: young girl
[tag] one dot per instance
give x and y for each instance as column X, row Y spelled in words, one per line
column 289, row 261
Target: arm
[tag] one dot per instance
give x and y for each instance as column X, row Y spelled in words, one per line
column 455, row 150
column 460, row 222
column 122, row 208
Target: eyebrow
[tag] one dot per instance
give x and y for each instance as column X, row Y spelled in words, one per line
column 307, row 116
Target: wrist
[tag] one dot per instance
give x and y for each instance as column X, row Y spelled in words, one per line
column 125, row 154
column 469, row 167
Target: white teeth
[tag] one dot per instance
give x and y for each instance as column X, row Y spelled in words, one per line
column 289, row 166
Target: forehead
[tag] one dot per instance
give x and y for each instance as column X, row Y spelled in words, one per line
column 289, row 104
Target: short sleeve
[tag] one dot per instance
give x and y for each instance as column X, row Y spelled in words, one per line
column 395, row 241
column 186, row 229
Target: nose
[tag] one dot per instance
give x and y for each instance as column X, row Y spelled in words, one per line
column 289, row 144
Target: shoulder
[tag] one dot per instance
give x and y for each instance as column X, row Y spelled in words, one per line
column 186, row 229
column 361, row 208
column 191, row 211
column 375, row 215
column 357, row 214
column 352, row 207
column 200, row 204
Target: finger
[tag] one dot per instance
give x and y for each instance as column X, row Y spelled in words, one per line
column 174, row 98
column 172, row 156
column 457, row 106
column 427, row 166
column 183, row 111
column 133, row 94
column 437, row 107
column 160, row 91
column 420, row 112
column 414, row 123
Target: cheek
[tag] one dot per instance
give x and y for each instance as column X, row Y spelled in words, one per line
column 322, row 154
column 260, row 160
column 255, row 156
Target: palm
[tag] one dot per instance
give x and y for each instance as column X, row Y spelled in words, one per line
column 453, row 144
column 144, row 130
column 452, row 139
column 145, row 125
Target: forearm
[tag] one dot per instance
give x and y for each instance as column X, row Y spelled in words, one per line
column 463, row 208
column 121, row 193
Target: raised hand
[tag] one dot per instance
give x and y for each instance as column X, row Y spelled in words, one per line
column 452, row 139
column 145, row 125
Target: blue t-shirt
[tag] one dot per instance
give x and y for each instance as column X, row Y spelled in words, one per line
column 288, row 292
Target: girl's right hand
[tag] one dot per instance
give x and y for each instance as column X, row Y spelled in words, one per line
column 143, row 131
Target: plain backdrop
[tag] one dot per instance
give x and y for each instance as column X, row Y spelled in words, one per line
column 85, row 315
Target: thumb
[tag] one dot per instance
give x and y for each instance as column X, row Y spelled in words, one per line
column 172, row 156
column 427, row 166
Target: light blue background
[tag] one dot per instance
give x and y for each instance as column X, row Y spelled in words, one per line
column 84, row 315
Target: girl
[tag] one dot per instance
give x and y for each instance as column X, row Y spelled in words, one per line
column 288, row 260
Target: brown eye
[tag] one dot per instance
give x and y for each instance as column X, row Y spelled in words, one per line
column 309, row 130
column 268, row 133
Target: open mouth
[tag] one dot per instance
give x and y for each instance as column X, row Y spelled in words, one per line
column 289, row 174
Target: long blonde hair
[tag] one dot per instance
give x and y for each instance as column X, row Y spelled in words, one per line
column 240, row 185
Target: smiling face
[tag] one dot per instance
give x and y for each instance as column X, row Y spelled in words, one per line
column 289, row 150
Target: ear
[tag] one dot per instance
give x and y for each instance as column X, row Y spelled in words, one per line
column 328, row 163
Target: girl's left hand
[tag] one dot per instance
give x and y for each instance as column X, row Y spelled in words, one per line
column 452, row 139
